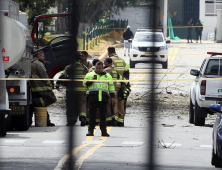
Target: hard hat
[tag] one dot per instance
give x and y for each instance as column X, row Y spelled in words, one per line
column 128, row 26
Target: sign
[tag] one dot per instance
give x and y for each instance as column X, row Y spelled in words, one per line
column 5, row 59
column 3, row 50
column 219, row 90
column 17, row 110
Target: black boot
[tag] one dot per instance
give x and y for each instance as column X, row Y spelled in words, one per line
column 120, row 124
column 90, row 133
column 83, row 121
column 48, row 121
column 114, row 122
column 105, row 134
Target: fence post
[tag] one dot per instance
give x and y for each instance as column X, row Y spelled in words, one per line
column 84, row 40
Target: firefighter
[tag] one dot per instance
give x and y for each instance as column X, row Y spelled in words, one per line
column 80, row 71
column 119, row 104
column 83, row 58
column 42, row 94
column 98, row 97
column 119, row 63
column 123, row 69
column 94, row 65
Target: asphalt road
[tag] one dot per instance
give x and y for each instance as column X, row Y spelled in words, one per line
column 178, row 145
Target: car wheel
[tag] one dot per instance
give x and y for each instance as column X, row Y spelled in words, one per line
column 218, row 161
column 213, row 157
column 132, row 64
column 191, row 112
column 165, row 65
column 198, row 121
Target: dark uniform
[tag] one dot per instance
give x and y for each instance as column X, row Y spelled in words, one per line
column 75, row 89
column 42, row 94
column 98, row 98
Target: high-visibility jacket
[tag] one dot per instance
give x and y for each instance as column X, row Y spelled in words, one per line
column 73, row 71
column 38, row 70
column 99, row 91
column 115, row 75
column 120, row 64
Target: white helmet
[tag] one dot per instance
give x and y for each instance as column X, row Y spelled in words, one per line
column 128, row 27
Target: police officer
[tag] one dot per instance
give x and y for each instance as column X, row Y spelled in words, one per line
column 76, row 70
column 83, row 58
column 98, row 97
column 42, row 94
column 119, row 112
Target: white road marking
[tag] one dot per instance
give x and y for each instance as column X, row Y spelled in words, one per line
column 132, row 143
column 206, row 146
column 14, row 141
column 92, row 142
column 54, row 141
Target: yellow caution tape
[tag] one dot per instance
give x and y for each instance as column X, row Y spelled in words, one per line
column 157, row 73
column 51, row 79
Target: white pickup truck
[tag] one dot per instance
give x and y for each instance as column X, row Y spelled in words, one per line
column 206, row 89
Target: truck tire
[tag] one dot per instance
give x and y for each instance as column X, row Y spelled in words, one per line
column 198, row 121
column 213, row 157
column 218, row 161
column 165, row 65
column 191, row 112
column 132, row 64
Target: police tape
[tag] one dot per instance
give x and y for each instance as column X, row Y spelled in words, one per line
column 151, row 28
column 157, row 73
column 77, row 80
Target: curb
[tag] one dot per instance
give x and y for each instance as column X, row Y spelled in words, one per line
column 105, row 54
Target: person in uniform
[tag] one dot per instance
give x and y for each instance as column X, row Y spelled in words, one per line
column 98, row 97
column 42, row 94
column 76, row 70
column 123, row 69
column 94, row 65
column 83, row 58
column 119, row 112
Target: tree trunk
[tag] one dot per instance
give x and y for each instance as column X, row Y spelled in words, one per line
column 60, row 25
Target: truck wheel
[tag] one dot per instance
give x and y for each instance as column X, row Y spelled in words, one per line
column 213, row 157
column 132, row 64
column 191, row 112
column 165, row 65
column 218, row 161
column 23, row 122
column 198, row 121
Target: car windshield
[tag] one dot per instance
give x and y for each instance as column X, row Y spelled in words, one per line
column 148, row 37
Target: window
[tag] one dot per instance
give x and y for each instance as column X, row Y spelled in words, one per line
column 148, row 37
column 211, row 7
column 212, row 67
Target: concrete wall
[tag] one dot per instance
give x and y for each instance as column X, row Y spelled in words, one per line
column 138, row 17
column 162, row 4
column 209, row 22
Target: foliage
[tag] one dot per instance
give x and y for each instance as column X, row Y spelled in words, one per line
column 94, row 10
column 36, row 7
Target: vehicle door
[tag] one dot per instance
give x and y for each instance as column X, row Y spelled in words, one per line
column 214, row 70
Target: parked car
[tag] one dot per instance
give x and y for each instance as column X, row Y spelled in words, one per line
column 216, row 159
column 206, row 89
column 145, row 43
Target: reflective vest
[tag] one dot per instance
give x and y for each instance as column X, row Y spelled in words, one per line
column 119, row 64
column 38, row 70
column 115, row 75
column 99, row 87
column 79, row 73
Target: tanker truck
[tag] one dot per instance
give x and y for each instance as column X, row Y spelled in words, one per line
column 16, row 48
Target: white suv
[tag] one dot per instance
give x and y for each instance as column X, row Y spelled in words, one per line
column 206, row 89
column 143, row 46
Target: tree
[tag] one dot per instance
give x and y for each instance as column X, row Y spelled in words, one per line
column 36, row 7
column 93, row 10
